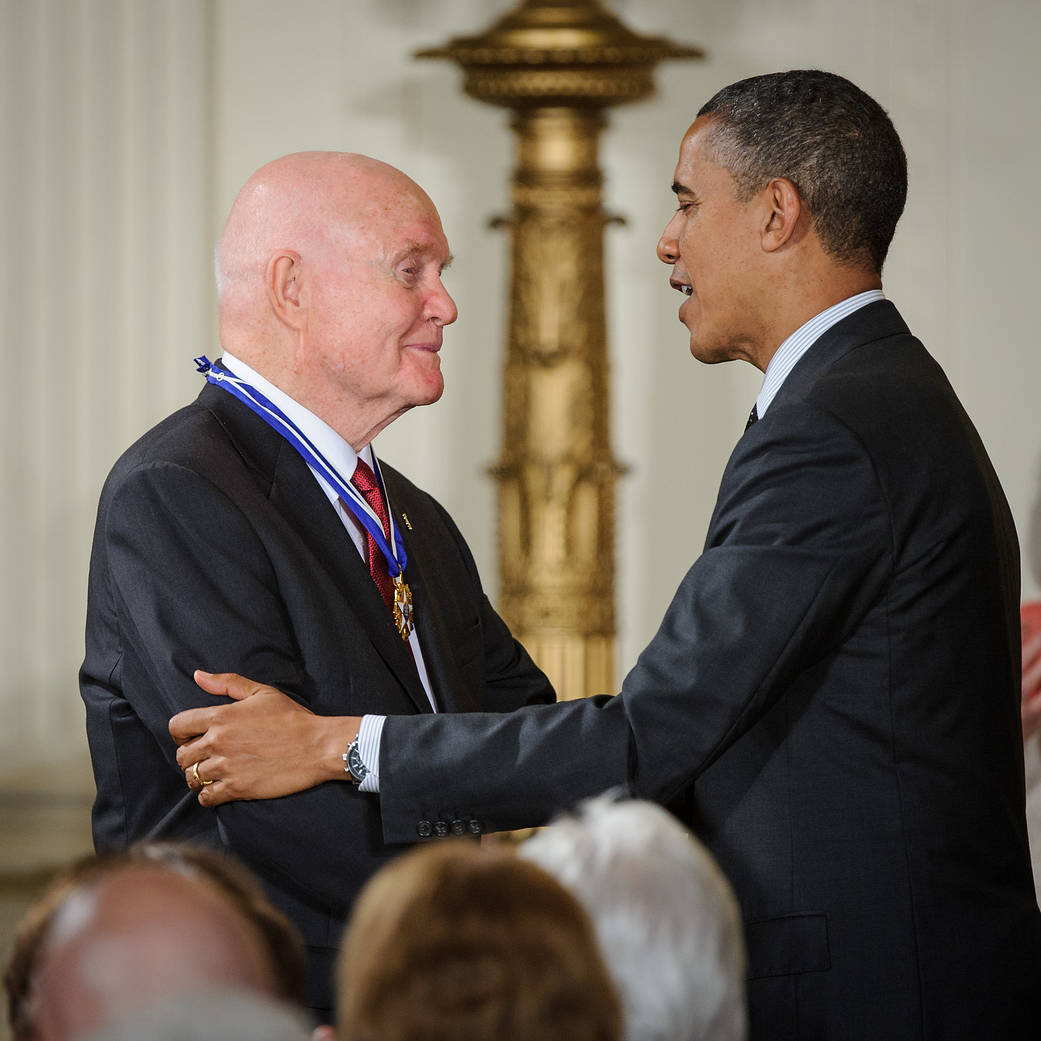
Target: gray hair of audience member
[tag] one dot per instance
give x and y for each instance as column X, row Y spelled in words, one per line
column 218, row 1015
column 666, row 918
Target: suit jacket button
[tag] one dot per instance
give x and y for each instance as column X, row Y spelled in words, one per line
column 458, row 827
column 424, row 829
column 441, row 829
column 475, row 827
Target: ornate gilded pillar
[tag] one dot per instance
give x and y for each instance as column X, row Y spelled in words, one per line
column 558, row 64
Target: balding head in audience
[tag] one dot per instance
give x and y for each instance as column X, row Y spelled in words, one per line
column 113, row 936
column 666, row 918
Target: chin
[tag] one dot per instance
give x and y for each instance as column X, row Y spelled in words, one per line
column 709, row 357
column 714, row 351
column 429, row 391
column 423, row 381
column 707, row 354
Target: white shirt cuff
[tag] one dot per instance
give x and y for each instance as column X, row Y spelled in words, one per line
column 370, row 735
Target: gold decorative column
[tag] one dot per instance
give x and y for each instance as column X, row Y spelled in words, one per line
column 558, row 64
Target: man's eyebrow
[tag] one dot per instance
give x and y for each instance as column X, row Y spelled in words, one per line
column 681, row 188
column 420, row 249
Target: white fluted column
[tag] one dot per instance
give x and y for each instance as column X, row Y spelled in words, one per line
column 105, row 283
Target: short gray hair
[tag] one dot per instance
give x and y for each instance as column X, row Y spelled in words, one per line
column 666, row 918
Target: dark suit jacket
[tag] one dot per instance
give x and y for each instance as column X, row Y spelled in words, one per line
column 831, row 702
column 215, row 548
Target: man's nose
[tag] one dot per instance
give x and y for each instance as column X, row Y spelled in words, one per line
column 441, row 307
column 668, row 244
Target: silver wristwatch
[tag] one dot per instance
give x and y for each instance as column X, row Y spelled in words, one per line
column 353, row 763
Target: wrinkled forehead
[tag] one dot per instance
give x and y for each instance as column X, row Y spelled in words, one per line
column 314, row 197
column 390, row 224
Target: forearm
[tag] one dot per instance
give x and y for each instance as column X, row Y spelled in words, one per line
column 499, row 771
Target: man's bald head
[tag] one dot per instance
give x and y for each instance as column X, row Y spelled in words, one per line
column 134, row 935
column 298, row 201
column 329, row 272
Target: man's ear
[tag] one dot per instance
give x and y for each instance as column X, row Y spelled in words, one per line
column 784, row 208
column 284, row 280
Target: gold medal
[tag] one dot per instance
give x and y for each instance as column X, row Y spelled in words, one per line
column 402, row 606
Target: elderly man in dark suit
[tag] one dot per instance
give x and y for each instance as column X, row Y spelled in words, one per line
column 255, row 531
column 832, row 698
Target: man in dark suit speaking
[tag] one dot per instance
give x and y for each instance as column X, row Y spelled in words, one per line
column 254, row 530
column 831, row 701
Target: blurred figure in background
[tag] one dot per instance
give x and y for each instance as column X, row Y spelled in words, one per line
column 455, row 943
column 113, row 935
column 668, row 923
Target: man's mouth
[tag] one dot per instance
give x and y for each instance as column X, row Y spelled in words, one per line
column 684, row 287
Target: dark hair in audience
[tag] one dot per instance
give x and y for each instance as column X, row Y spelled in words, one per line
column 454, row 943
column 224, row 873
column 831, row 140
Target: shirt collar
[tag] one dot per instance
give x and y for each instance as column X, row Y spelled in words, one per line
column 789, row 353
column 326, row 440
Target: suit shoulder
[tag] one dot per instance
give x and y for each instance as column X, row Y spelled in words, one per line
column 892, row 389
column 194, row 438
column 181, row 437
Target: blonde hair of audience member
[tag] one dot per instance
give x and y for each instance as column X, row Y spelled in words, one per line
column 54, row 989
column 453, row 942
column 666, row 918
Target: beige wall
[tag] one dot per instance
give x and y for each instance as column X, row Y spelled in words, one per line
column 128, row 125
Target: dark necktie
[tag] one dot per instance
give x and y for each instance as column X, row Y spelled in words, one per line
column 753, row 416
column 365, row 481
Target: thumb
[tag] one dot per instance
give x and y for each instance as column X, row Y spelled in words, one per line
column 226, row 684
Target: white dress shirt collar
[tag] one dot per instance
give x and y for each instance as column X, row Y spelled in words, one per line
column 326, row 440
column 789, row 353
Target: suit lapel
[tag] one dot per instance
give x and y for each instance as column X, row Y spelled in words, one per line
column 450, row 690
column 872, row 322
column 294, row 492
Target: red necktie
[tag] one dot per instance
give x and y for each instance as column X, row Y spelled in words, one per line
column 365, row 481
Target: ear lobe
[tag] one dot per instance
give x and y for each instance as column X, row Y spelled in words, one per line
column 784, row 208
column 284, row 279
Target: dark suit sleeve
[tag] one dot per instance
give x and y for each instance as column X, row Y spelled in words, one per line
column 798, row 548
column 191, row 586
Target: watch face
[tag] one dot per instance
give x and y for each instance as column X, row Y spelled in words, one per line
column 355, row 764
